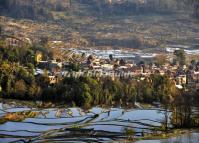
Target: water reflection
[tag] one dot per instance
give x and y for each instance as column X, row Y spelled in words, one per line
column 75, row 124
column 186, row 138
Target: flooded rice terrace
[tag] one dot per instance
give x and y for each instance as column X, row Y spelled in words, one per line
column 22, row 123
column 186, row 138
column 126, row 54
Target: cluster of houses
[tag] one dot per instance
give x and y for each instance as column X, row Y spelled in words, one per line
column 92, row 65
column 117, row 68
column 17, row 42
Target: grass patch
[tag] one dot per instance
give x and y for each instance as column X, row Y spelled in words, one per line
column 18, row 116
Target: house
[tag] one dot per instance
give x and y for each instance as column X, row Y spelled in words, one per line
column 17, row 42
column 38, row 57
column 122, row 67
column 96, row 61
column 55, row 66
column 196, row 76
column 179, row 86
column 136, row 70
column 43, row 65
column 181, row 79
column 95, row 67
column 162, row 72
column 193, row 79
column 107, row 67
column 53, row 79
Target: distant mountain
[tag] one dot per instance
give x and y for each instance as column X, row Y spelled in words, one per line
column 43, row 9
column 31, row 9
column 145, row 24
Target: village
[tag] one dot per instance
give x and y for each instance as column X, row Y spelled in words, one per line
column 125, row 63
column 109, row 64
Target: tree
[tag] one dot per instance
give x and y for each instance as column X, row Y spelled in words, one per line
column 34, row 91
column 29, row 56
column 122, row 62
column 180, row 56
column 20, row 89
column 161, row 59
column 83, row 55
column 7, row 77
column 44, row 40
column 182, row 111
column 74, row 67
column 167, row 100
column 147, row 94
column 1, row 29
column 25, row 75
column 43, row 80
column 111, row 57
column 95, row 88
column 129, row 90
column 83, row 97
column 193, row 63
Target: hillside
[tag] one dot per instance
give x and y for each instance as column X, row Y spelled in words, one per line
column 142, row 24
column 43, row 9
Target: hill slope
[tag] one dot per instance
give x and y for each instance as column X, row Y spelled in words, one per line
column 103, row 23
column 42, row 9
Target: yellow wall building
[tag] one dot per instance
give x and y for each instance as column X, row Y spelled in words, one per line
column 38, row 57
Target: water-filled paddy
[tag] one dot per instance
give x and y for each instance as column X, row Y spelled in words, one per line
column 185, row 138
column 75, row 124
